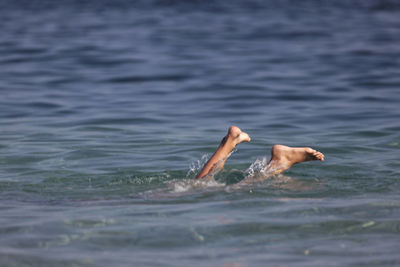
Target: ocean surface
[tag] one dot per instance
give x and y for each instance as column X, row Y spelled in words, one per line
column 108, row 109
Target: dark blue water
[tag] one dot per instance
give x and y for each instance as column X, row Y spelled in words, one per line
column 109, row 108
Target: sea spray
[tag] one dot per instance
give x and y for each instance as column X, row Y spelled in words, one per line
column 196, row 166
column 261, row 169
column 180, row 186
column 190, row 183
column 257, row 166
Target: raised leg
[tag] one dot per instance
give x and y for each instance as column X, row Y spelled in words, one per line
column 234, row 137
column 283, row 157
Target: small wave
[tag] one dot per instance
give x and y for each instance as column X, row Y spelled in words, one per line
column 181, row 186
column 177, row 187
column 143, row 78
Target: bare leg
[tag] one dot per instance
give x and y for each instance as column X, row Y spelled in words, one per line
column 283, row 157
column 234, row 137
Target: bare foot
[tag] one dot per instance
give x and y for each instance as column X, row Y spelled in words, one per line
column 236, row 136
column 283, row 157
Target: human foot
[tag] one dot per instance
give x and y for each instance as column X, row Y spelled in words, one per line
column 283, row 157
column 236, row 136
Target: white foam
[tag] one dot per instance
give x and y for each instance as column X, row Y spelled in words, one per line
column 185, row 185
column 262, row 169
column 196, row 166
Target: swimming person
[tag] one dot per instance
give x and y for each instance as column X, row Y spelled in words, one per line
column 282, row 157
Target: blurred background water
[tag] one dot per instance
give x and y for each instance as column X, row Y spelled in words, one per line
column 107, row 108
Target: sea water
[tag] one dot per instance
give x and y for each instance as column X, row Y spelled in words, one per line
column 108, row 109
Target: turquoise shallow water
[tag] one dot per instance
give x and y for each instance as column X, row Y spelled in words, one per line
column 108, row 109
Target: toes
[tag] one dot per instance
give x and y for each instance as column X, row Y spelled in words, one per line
column 319, row 155
column 244, row 137
column 316, row 154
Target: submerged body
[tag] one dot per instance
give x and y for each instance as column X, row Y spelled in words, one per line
column 282, row 157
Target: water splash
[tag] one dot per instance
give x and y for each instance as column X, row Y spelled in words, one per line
column 196, row 166
column 190, row 183
column 185, row 185
column 260, row 170
column 261, row 167
column 180, row 187
column 256, row 167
